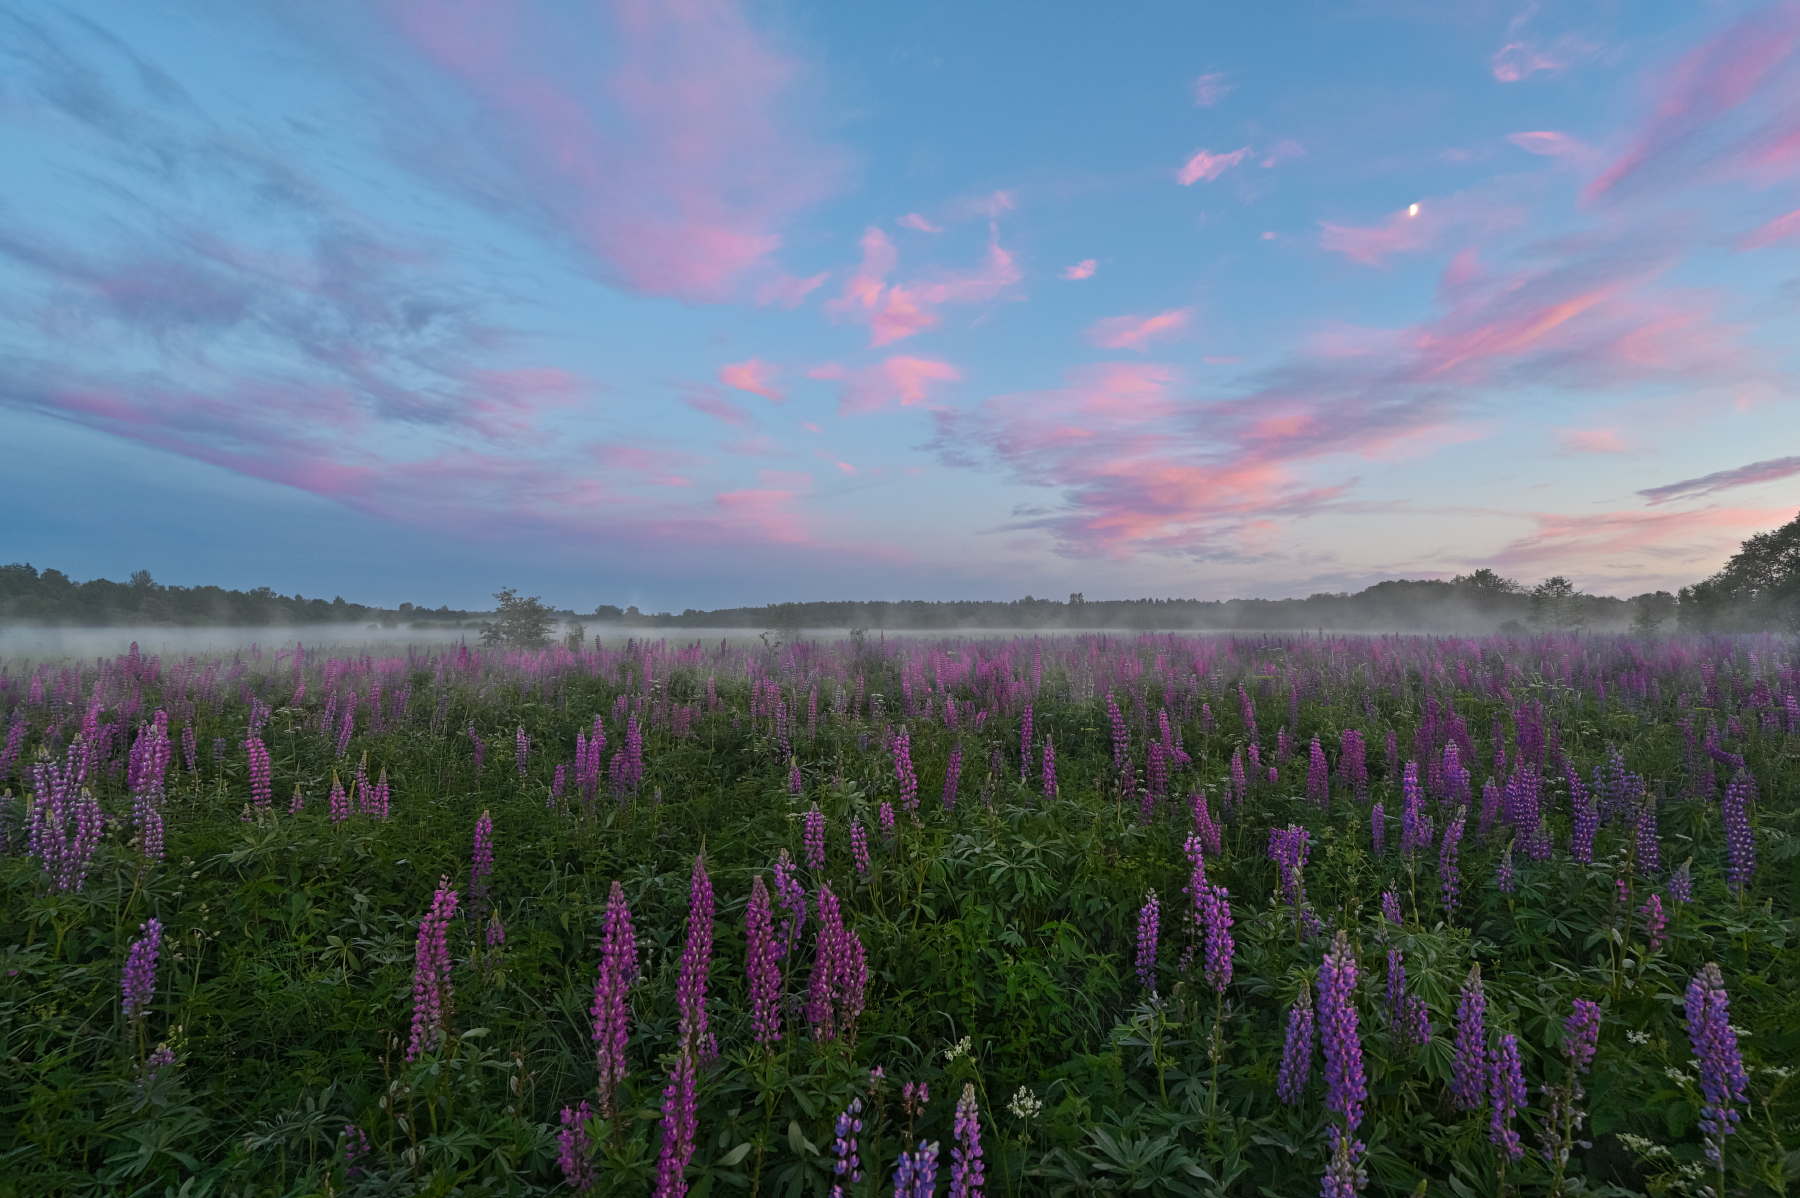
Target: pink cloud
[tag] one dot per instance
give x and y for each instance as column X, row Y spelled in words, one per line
column 1083, row 269
column 1591, row 440
column 786, row 291
column 905, row 379
column 1419, row 227
column 1772, row 470
column 1136, row 332
column 899, row 311
column 1697, row 540
column 755, row 376
column 1209, row 166
column 1210, row 89
column 1779, row 229
column 1517, row 60
column 675, row 169
column 719, row 408
column 1284, row 150
column 1549, row 144
column 505, row 404
column 658, row 466
column 912, row 220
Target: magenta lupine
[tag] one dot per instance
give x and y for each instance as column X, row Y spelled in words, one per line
column 340, row 802
column 1148, row 919
column 557, row 781
column 521, row 751
column 1204, row 827
column 432, row 993
column 1655, row 922
column 848, row 1163
column 1447, row 871
column 965, row 1157
column 887, row 820
column 915, row 1175
column 796, row 780
column 1346, row 1087
column 1740, row 842
column 1049, row 780
column 839, row 976
column 1681, row 883
column 763, row 966
column 1722, row 1077
column 481, row 864
column 1297, row 1050
column 611, row 1014
column 1240, row 785
column 376, row 801
column 1025, row 744
column 1506, row 1093
column 859, row 849
column 262, row 786
column 575, row 1149
column 1390, row 907
column 139, row 982
column 1468, row 1068
column 678, row 1126
column 1378, row 829
column 344, row 730
column 696, row 962
column 1318, row 776
column 814, row 840
column 953, row 777
column 1121, row 739
column 64, row 823
column 493, row 934
column 903, row 771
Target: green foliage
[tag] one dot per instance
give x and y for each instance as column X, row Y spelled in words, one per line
column 518, row 623
column 1759, row 588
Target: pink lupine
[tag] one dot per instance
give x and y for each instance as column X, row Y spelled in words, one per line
column 262, row 785
column 340, row 802
column 432, row 992
column 611, row 1014
column 859, row 849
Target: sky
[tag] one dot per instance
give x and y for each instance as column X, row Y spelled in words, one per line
column 693, row 303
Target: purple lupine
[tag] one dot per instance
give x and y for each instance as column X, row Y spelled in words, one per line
column 848, row 1164
column 792, row 897
column 1353, row 761
column 814, row 840
column 953, row 777
column 344, row 730
column 612, row 1016
column 1120, row 737
column 1740, row 841
column 481, row 864
column 1378, row 829
column 1025, row 744
column 64, row 824
column 763, row 965
column 840, row 974
column 15, row 741
column 887, row 820
column 1581, row 1034
column 1240, row 785
column 965, row 1158
column 480, row 747
column 678, row 1126
column 915, row 1176
column 1447, row 872
column 1503, row 873
column 340, row 802
column 903, row 771
column 557, row 781
column 1586, row 821
column 1722, row 1077
column 1408, row 1015
column 296, row 805
column 859, row 848
column 575, row 1149
column 796, row 780
column 1214, row 909
column 494, row 933
column 262, row 786
column 1050, row 788
column 1346, row 1086
column 696, row 961
column 139, row 983
column 1468, row 1068
column 1647, row 855
column 1681, row 883
column 1506, row 1092
column 1655, row 922
column 1318, row 776
column 1390, row 907
column 356, row 1147
column 431, row 975
column 521, row 751
column 1288, row 848
column 1414, row 832
column 1148, row 919
column 1296, row 1051
column 1204, row 827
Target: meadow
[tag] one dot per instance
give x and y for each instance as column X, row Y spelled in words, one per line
column 1152, row 914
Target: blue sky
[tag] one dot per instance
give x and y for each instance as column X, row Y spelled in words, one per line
column 696, row 303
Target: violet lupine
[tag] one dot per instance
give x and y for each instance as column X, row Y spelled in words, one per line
column 1490, row 808
column 965, row 1158
column 1647, row 855
column 915, row 1176
column 1468, row 1067
column 1414, row 832
column 792, row 897
column 1121, row 739
column 763, row 966
column 15, row 741
column 1681, row 883
column 1447, row 871
column 521, row 751
column 1147, row 924
column 1240, row 784
column 1204, row 827
column 887, row 820
column 557, row 781
column 139, row 982
column 840, row 974
column 481, row 864
column 1722, row 1077
column 1346, row 1086
column 1049, row 781
column 796, row 780
column 575, row 1149
column 1503, row 873
column 696, row 962
column 340, row 802
column 1025, row 744
column 1506, row 1093
column 1288, row 848
column 262, row 786
column 1581, row 1034
column 431, row 975
column 1296, row 1051
column 64, row 824
column 1586, row 821
column 1740, row 841
column 859, row 848
column 611, row 1014
column 480, row 747
column 1318, row 776
column 1390, row 907
column 953, row 777
column 1655, row 922
column 814, row 840
column 1353, row 761
column 678, row 1126
column 848, row 1164
column 1214, row 910
column 296, row 805
column 1408, row 1015
column 1378, row 829
column 903, row 771
column 356, row 1146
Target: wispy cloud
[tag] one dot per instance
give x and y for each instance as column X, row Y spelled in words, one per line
column 1136, row 332
column 1083, row 269
column 900, row 310
column 901, row 379
column 1209, row 89
column 1771, row 470
column 755, row 376
column 912, row 220
column 1207, row 166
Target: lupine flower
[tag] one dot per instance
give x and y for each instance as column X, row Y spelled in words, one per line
column 913, row 1097
column 1204, row 827
column 612, row 1017
column 953, row 777
column 1647, row 859
column 1468, row 1069
column 1288, row 848
column 1346, row 1089
column 1120, row 737
column 815, row 839
column 356, row 1147
column 1296, row 1052
column 1681, row 883
column 494, row 934
column 1503, row 873
column 1586, row 820
column 792, row 897
column 139, row 983
column 296, row 805
column 521, row 750
column 1722, row 1077
column 1050, row 787
column 1414, row 828
column 1581, row 1034
column 840, row 974
column 340, row 802
column 481, row 865
column 1318, row 776
column 1506, row 1092
column 1378, row 829
column 1025, row 744
column 859, row 848
column 903, row 771
column 575, row 1150
column 696, row 961
column 678, row 1126
column 887, row 820
column 262, row 786
column 1740, row 842
column 557, row 782
column 431, row 975
column 1447, row 872
column 15, row 741
column 1655, row 922
column 848, row 1163
column 64, row 824
column 965, row 1157
column 916, row 1174
column 1214, row 906
column 1147, row 935
column 763, row 965
column 796, row 780
column 1390, row 907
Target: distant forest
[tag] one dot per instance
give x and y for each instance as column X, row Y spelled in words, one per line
column 1758, row 589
